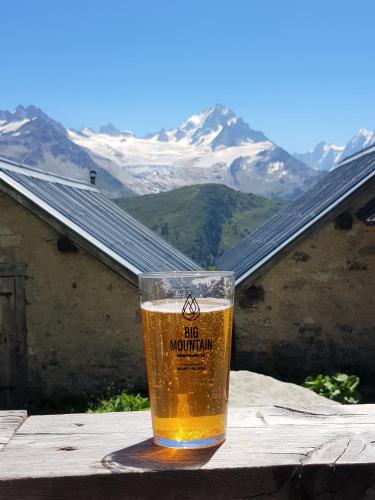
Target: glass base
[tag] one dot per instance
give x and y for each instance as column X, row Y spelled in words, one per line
column 196, row 443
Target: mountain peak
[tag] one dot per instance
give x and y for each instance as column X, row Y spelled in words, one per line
column 216, row 116
column 112, row 131
column 217, row 127
column 362, row 139
column 322, row 148
column 363, row 132
column 220, row 109
column 22, row 113
column 210, row 117
column 109, row 129
column 323, row 157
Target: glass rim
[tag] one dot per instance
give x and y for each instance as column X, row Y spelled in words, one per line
column 182, row 274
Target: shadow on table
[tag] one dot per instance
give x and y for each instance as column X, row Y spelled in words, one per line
column 147, row 455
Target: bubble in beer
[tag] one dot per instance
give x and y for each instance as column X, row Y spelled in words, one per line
column 188, row 365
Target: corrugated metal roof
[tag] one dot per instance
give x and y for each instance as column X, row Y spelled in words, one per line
column 95, row 218
column 296, row 217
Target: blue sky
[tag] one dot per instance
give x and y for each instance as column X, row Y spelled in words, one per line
column 301, row 71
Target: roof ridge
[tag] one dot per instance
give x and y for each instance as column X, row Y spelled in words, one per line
column 92, row 220
column 293, row 219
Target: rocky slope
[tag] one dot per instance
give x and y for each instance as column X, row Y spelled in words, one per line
column 29, row 136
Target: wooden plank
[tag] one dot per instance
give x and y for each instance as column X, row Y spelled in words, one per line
column 274, row 452
column 10, row 421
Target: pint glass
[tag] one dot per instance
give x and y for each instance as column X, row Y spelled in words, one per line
column 187, row 325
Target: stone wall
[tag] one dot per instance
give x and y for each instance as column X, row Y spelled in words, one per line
column 82, row 318
column 314, row 310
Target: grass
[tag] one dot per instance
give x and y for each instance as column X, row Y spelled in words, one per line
column 118, row 402
column 202, row 221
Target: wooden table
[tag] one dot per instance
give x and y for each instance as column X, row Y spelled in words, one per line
column 277, row 452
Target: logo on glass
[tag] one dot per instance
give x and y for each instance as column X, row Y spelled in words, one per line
column 191, row 310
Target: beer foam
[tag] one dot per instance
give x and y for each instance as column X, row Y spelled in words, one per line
column 171, row 306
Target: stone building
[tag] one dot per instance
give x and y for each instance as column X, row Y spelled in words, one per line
column 305, row 281
column 69, row 313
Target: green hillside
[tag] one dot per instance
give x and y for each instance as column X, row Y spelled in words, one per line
column 202, row 221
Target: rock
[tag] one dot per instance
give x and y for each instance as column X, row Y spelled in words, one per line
column 253, row 389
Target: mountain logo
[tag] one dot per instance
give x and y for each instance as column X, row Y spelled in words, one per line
column 191, row 310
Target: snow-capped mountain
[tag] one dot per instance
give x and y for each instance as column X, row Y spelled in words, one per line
column 216, row 127
column 362, row 139
column 322, row 157
column 327, row 156
column 211, row 146
column 30, row 136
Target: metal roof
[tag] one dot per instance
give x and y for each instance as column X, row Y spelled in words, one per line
column 294, row 219
column 86, row 212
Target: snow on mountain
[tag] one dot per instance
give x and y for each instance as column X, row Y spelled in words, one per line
column 201, row 140
column 215, row 127
column 322, row 157
column 202, row 149
column 29, row 136
column 13, row 126
column 212, row 146
column 362, row 139
column 110, row 129
column 328, row 156
column 273, row 172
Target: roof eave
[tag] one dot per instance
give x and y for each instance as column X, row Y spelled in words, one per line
column 336, row 205
column 124, row 269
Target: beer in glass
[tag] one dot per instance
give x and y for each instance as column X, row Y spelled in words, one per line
column 187, row 324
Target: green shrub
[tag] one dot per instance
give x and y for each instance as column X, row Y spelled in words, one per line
column 339, row 387
column 119, row 402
